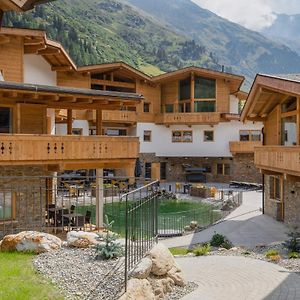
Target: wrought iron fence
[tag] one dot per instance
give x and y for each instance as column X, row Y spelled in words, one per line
column 140, row 224
column 57, row 204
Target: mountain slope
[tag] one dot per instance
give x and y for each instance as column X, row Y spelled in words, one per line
column 95, row 31
column 248, row 52
column 285, row 29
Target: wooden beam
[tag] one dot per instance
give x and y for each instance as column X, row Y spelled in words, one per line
column 4, row 40
column 48, row 51
column 61, row 68
column 33, row 49
column 113, row 83
column 69, row 121
column 192, row 91
column 99, row 121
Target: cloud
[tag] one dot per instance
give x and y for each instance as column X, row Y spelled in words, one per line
column 254, row 14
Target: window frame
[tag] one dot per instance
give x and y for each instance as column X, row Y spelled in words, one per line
column 213, row 136
column 12, row 216
column 250, row 134
column 224, row 165
column 149, row 107
column 150, row 136
column 182, row 134
column 273, row 181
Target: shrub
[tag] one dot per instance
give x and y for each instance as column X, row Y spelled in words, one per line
column 202, row 250
column 246, row 253
column 293, row 244
column 110, row 248
column 271, row 253
column 293, row 255
column 275, row 258
column 227, row 244
column 217, row 240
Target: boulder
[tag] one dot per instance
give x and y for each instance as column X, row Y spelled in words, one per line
column 162, row 260
column 138, row 289
column 81, row 239
column 193, row 224
column 30, row 241
column 161, row 286
column 143, row 269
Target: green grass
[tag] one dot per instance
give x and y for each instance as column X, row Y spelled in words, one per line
column 171, row 212
column 151, row 70
column 19, row 281
column 179, row 251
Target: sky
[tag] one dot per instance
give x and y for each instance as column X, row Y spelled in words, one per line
column 253, row 14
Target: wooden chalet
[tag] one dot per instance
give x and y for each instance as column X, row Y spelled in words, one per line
column 275, row 100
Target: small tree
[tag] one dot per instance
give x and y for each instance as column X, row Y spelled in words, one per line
column 293, row 244
column 109, row 249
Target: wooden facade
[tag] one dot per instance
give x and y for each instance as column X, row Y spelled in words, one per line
column 243, row 146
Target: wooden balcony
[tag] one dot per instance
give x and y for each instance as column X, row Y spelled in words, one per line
column 278, row 159
column 67, row 151
column 243, row 147
column 118, row 116
column 188, row 118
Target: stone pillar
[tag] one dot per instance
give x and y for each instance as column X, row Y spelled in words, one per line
column 99, row 198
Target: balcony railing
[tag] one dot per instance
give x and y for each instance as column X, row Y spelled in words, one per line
column 188, row 118
column 119, row 116
column 48, row 149
column 279, row 159
column 243, row 146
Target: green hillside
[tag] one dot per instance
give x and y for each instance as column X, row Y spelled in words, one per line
column 96, row 31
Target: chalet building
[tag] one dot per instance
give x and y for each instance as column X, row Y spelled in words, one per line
column 188, row 121
column 33, row 90
column 275, row 101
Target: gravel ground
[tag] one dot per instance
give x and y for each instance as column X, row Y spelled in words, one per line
column 79, row 275
column 179, row 292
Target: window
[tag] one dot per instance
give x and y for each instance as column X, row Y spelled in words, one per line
column 289, row 131
column 205, row 106
column 250, row 135
column 163, row 170
column 147, row 170
column 5, row 120
column 147, row 135
column 116, row 132
column 205, row 88
column 92, row 131
column 275, row 188
column 169, row 108
column 77, row 131
column 182, row 136
column 208, row 135
column 185, row 89
column 223, row 169
column 146, row 107
column 6, row 206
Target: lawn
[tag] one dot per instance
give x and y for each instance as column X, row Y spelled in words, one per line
column 19, row 281
column 171, row 213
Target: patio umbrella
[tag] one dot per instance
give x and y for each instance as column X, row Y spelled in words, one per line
column 138, row 168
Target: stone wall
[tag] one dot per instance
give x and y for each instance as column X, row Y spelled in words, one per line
column 28, row 192
column 272, row 207
column 241, row 167
column 292, row 200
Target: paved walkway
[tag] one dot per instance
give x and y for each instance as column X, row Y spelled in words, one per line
column 246, row 226
column 239, row 278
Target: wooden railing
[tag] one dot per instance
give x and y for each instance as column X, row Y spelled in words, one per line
column 278, row 158
column 188, row 118
column 119, row 116
column 47, row 149
column 243, row 147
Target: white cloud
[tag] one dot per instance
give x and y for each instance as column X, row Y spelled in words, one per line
column 254, row 14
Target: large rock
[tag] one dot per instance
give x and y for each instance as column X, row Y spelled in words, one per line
column 162, row 260
column 161, row 286
column 30, row 241
column 177, row 276
column 81, row 239
column 143, row 269
column 138, row 289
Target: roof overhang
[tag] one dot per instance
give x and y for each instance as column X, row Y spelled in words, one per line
column 20, row 5
column 266, row 92
column 63, row 97
column 235, row 81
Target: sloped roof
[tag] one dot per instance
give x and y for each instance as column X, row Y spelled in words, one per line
column 20, row 5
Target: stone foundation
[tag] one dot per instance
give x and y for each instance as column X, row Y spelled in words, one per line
column 291, row 201
column 241, row 167
column 28, row 193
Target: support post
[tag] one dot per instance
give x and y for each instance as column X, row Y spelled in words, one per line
column 130, row 172
column 1, row 17
column 99, row 121
column 69, row 122
column 99, row 198
column 192, row 92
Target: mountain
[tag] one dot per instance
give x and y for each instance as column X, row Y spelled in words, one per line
column 156, row 36
column 285, row 29
column 248, row 52
column 96, row 31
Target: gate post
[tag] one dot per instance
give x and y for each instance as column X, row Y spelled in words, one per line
column 99, row 198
